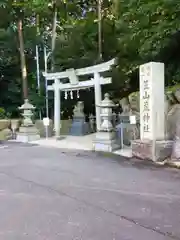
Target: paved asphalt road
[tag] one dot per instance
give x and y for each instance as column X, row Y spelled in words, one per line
column 47, row 194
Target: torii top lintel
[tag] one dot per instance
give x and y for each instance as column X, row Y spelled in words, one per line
column 73, row 73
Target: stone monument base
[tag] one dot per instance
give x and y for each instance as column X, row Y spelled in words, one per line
column 27, row 134
column 105, row 142
column 144, row 150
column 79, row 127
column 175, row 157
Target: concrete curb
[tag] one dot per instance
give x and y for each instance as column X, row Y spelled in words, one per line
column 92, row 153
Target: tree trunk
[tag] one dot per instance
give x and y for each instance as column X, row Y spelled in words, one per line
column 23, row 60
column 115, row 8
column 54, row 34
column 37, row 25
column 100, row 29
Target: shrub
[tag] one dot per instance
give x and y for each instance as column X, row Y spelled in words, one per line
column 2, row 113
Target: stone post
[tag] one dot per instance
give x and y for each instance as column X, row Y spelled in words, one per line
column 92, row 123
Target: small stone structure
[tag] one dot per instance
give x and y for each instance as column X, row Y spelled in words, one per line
column 79, row 126
column 5, row 132
column 92, row 123
column 105, row 138
column 27, row 131
column 130, row 131
column 15, row 124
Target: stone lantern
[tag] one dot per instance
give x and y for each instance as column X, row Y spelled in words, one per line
column 105, row 138
column 27, row 113
column 106, row 113
column 27, row 131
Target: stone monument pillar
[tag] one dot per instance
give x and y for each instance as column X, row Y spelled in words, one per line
column 152, row 144
column 27, row 131
column 106, row 138
column 79, row 126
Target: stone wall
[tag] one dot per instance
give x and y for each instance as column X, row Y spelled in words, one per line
column 65, row 127
column 5, row 128
column 40, row 126
column 5, row 132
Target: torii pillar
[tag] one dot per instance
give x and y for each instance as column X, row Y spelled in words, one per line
column 57, row 108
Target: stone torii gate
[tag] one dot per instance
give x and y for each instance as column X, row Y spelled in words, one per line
column 75, row 84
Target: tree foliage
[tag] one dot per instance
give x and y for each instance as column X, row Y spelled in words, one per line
column 134, row 31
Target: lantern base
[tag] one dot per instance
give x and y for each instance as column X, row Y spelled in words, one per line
column 105, row 142
column 27, row 134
